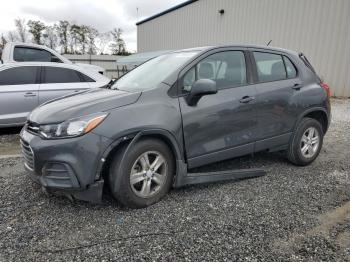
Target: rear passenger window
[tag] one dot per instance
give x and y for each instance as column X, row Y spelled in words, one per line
column 291, row 71
column 227, row 69
column 25, row 75
column 61, row 75
column 270, row 67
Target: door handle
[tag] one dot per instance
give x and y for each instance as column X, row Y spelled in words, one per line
column 246, row 99
column 29, row 94
column 297, row 86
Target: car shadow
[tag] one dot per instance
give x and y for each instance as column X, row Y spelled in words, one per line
column 260, row 160
column 10, row 130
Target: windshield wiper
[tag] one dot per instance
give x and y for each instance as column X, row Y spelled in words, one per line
column 111, row 83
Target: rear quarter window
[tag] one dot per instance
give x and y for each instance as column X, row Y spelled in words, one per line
column 290, row 68
column 86, row 78
column 308, row 64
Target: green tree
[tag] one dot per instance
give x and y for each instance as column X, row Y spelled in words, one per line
column 21, row 29
column 103, row 40
column 3, row 41
column 74, row 33
column 83, row 37
column 118, row 46
column 62, row 29
column 92, row 35
column 36, row 28
column 11, row 36
column 50, row 36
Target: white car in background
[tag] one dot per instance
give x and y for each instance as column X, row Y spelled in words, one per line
column 24, row 86
column 27, row 52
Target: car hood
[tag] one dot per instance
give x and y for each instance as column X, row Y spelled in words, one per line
column 81, row 104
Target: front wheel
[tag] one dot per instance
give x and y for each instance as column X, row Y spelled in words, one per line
column 306, row 143
column 145, row 175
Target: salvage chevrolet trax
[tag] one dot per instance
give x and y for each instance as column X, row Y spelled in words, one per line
column 178, row 111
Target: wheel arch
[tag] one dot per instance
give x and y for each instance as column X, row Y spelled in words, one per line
column 320, row 114
column 129, row 140
column 162, row 135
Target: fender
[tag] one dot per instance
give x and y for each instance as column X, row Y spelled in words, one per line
column 181, row 166
column 171, row 139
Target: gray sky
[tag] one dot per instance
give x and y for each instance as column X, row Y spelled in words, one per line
column 101, row 14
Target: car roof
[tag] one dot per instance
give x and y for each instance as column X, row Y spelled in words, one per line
column 25, row 44
column 52, row 64
column 91, row 73
column 267, row 48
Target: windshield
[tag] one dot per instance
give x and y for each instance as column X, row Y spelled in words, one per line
column 153, row 72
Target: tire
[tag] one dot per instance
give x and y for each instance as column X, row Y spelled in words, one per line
column 153, row 185
column 302, row 140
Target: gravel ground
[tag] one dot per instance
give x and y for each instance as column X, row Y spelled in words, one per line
column 9, row 141
column 292, row 214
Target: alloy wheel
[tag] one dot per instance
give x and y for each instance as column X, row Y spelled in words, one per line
column 148, row 174
column 309, row 142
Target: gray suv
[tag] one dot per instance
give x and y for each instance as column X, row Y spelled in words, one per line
column 178, row 111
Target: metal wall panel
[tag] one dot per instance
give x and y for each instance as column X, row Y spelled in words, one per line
column 318, row 28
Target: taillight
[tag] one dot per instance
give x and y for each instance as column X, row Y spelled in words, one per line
column 326, row 88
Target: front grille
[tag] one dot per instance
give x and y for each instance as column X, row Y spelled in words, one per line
column 28, row 155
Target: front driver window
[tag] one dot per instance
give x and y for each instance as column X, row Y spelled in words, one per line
column 227, row 69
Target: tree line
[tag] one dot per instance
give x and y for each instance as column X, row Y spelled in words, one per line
column 67, row 37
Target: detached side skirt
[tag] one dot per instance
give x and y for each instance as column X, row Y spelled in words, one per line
column 217, row 176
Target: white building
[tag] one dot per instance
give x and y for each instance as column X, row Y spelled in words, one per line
column 108, row 62
column 318, row 28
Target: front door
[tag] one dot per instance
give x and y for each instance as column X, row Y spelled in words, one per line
column 18, row 94
column 221, row 125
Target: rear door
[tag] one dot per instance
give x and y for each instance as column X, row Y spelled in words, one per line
column 18, row 94
column 222, row 125
column 60, row 81
column 277, row 82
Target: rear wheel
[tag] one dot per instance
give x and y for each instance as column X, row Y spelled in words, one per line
column 306, row 143
column 145, row 175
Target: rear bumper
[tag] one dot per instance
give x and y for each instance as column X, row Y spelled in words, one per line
column 66, row 166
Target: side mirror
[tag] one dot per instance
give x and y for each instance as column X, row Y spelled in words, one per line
column 201, row 87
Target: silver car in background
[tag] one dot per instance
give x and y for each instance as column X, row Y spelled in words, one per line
column 24, row 86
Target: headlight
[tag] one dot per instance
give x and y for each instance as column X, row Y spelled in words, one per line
column 73, row 127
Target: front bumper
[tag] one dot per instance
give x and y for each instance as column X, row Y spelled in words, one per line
column 66, row 166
